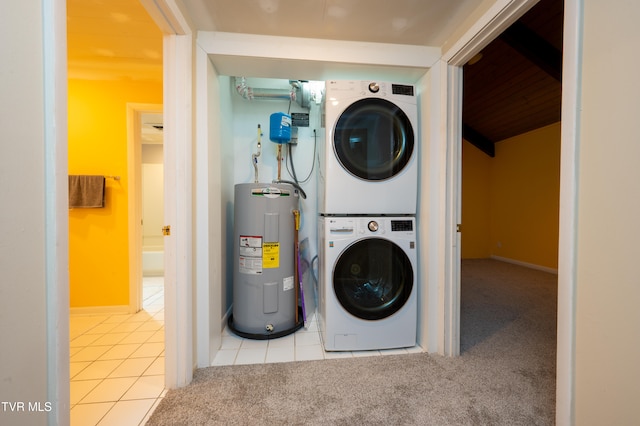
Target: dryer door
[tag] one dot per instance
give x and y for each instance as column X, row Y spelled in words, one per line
column 373, row 139
column 373, row 278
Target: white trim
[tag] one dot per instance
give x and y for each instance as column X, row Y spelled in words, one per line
column 492, row 23
column 208, row 214
column 178, row 151
column 134, row 189
column 567, row 251
column 169, row 15
column 318, row 50
column 525, row 264
column 453, row 136
column 56, row 204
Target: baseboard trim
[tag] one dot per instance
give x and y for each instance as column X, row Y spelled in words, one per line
column 525, row 264
column 98, row 310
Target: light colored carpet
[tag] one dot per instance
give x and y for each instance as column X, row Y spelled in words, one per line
column 505, row 375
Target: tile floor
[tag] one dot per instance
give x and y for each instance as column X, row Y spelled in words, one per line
column 304, row 345
column 117, row 361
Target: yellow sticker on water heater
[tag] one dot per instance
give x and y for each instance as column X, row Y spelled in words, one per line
column 271, row 255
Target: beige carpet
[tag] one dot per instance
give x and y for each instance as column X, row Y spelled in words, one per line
column 505, row 375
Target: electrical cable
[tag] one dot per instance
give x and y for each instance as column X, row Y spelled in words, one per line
column 292, row 172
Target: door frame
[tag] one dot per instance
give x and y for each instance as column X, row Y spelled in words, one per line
column 497, row 18
column 178, row 47
column 489, row 26
column 134, row 188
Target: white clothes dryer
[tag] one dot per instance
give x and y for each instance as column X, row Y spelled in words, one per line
column 367, row 288
column 369, row 158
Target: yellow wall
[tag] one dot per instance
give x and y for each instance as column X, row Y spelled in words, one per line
column 516, row 217
column 98, row 238
column 476, row 212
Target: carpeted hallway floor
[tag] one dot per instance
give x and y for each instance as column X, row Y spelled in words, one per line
column 504, row 376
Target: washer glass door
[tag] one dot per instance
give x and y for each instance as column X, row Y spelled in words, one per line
column 373, row 139
column 373, row 278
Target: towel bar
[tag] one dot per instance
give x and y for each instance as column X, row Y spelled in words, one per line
column 113, row 177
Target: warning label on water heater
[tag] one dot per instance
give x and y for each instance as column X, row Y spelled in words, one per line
column 250, row 255
column 271, row 255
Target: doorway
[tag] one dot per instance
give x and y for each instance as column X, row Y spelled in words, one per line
column 511, row 150
column 152, row 195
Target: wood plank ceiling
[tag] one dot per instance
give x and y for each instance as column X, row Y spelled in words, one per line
column 516, row 86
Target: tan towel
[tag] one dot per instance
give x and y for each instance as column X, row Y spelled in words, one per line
column 86, row 191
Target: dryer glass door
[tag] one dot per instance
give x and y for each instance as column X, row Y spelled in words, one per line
column 373, row 139
column 373, row 278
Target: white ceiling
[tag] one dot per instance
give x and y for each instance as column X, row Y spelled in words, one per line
column 118, row 39
column 413, row 22
column 112, row 39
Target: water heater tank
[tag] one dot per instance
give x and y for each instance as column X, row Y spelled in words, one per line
column 264, row 297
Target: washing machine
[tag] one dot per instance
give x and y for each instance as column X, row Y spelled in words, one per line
column 367, row 282
column 369, row 161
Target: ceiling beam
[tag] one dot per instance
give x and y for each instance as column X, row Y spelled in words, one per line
column 478, row 140
column 536, row 49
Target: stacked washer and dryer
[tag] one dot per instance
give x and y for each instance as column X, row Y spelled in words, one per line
column 367, row 189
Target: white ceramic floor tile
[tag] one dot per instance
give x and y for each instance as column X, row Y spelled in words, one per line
column 307, row 339
column 102, row 351
column 283, row 342
column 89, row 414
column 157, row 337
column 231, row 342
column 117, row 319
column 145, row 387
column 365, row 353
column 309, row 353
column 251, row 356
column 147, row 350
column 84, row 340
column 141, row 316
column 76, row 367
column 126, row 327
column 153, row 407
column 138, row 337
column 156, row 367
column 109, row 339
column 120, row 351
column 399, row 351
column 225, row 357
column 109, row 390
column 254, row 344
column 311, row 328
column 336, row 355
column 153, row 325
column 280, row 355
column 90, row 353
column 127, row 413
column 132, row 367
column 98, row 370
column 80, row 389
column 102, row 328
